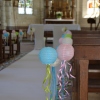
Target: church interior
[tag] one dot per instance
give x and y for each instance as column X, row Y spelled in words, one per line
column 49, row 50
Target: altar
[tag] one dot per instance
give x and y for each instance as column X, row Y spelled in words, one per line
column 64, row 9
column 59, row 21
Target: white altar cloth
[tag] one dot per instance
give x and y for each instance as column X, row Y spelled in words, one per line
column 50, row 27
column 41, row 28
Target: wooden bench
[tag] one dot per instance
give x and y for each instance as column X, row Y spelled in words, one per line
column 24, row 28
column 9, row 51
column 1, row 50
column 87, row 47
column 13, row 42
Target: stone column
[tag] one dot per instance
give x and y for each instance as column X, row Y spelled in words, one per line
column 3, row 15
column 0, row 13
column 42, row 11
column 9, row 13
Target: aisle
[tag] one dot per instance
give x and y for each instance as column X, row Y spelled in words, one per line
column 22, row 80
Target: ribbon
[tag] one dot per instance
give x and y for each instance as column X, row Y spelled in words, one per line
column 47, row 81
column 63, row 77
column 53, row 87
column 70, row 70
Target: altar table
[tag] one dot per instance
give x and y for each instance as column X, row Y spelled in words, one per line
column 59, row 21
column 50, row 27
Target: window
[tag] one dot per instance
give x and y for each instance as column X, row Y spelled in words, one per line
column 93, row 8
column 25, row 7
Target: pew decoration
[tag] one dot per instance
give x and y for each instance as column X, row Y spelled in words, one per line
column 32, row 30
column 65, row 53
column 47, row 55
column 53, row 86
column 13, row 35
column 21, row 33
column 53, row 58
column 5, row 36
column 64, row 29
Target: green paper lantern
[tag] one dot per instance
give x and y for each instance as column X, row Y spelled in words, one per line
column 17, row 33
column 68, row 36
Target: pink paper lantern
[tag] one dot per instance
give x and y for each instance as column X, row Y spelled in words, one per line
column 60, row 40
column 65, row 52
column 68, row 32
column 4, row 31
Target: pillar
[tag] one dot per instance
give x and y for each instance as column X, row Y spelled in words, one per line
column 9, row 13
column 3, row 15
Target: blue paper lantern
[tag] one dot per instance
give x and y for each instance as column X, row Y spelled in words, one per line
column 21, row 33
column 63, row 35
column 6, row 35
column 47, row 55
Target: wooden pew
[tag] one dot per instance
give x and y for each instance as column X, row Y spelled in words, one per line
column 1, row 49
column 9, row 50
column 3, row 55
column 13, row 42
column 84, row 39
column 87, row 47
column 24, row 28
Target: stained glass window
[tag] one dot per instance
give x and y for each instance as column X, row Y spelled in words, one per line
column 93, row 8
column 25, row 7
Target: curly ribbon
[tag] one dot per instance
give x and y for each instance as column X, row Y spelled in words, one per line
column 70, row 70
column 63, row 79
column 47, row 81
column 53, row 87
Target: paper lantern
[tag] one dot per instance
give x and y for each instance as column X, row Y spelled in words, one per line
column 67, row 41
column 60, row 40
column 4, row 31
column 68, row 36
column 16, row 33
column 13, row 31
column 20, row 33
column 65, row 52
column 56, row 63
column 6, row 34
column 47, row 55
column 68, row 32
column 63, row 36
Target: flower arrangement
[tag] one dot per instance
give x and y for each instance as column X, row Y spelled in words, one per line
column 59, row 14
column 64, row 29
